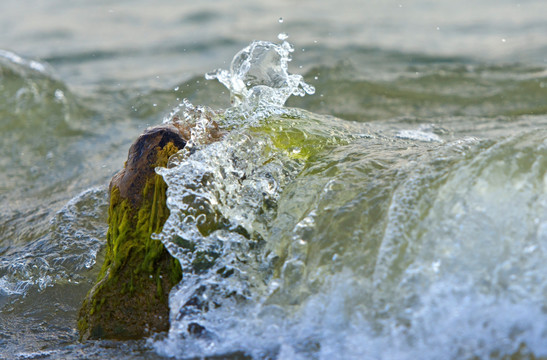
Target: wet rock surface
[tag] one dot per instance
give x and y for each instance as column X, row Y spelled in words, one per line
column 130, row 298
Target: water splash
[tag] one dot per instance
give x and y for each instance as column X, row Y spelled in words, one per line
column 7, row 57
column 223, row 196
column 197, row 124
column 292, row 252
column 259, row 75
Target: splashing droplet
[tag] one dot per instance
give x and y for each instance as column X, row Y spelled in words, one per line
column 282, row 36
column 259, row 75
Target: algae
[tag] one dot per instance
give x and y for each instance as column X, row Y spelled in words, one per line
column 130, row 298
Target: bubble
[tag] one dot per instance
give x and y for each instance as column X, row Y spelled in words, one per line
column 59, row 95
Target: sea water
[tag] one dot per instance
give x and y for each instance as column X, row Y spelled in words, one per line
column 399, row 212
column 309, row 257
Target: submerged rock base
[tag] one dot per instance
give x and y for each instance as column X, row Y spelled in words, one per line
column 130, row 298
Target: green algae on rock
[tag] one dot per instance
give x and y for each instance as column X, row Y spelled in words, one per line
column 130, row 298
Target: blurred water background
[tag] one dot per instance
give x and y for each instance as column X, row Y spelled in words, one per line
column 413, row 224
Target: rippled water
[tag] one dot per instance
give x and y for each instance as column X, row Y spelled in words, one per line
column 400, row 212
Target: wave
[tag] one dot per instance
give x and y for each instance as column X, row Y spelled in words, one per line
column 60, row 253
column 308, row 236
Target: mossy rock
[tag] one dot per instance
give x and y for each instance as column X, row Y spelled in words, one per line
column 130, row 298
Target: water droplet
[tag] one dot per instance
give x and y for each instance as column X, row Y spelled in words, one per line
column 503, row 40
column 280, row 20
column 154, row 105
column 177, row 88
column 282, row 36
column 59, row 95
column 316, row 77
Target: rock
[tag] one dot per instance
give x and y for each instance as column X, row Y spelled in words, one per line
column 130, row 298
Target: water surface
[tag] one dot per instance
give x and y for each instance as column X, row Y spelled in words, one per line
column 401, row 214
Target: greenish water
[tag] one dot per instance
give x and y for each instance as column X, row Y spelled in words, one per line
column 401, row 214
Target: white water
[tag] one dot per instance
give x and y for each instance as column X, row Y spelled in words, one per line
column 259, row 75
column 412, row 245
column 459, row 270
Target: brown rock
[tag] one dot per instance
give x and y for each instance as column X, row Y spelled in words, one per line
column 130, row 298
